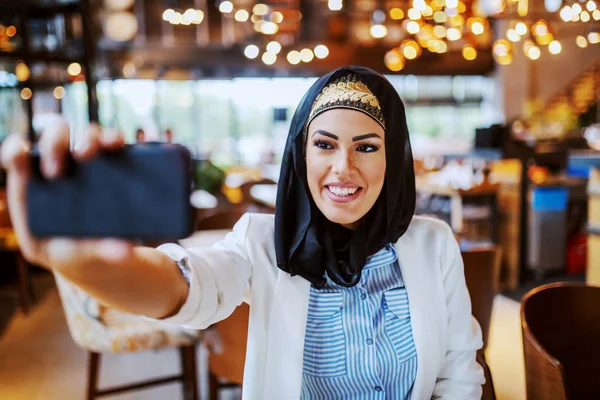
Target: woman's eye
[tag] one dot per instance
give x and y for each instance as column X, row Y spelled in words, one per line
column 323, row 145
column 367, row 148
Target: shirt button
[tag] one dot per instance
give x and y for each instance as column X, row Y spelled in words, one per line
column 363, row 296
column 378, row 388
column 369, row 341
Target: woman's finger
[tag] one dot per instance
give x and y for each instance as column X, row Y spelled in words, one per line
column 54, row 147
column 88, row 144
column 112, row 138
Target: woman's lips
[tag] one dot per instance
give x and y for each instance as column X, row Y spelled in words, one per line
column 343, row 198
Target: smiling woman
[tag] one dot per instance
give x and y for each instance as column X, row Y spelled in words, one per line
column 345, row 164
column 352, row 296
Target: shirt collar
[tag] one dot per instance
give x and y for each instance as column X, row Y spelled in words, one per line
column 385, row 256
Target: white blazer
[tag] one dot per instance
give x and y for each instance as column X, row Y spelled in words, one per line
column 242, row 267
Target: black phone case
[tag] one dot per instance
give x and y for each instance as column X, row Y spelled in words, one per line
column 137, row 192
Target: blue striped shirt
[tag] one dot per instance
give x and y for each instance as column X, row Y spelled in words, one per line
column 359, row 341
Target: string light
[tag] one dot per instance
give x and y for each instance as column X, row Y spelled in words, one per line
column 59, row 92
column 269, row 28
column 26, row 93
column 335, row 5
column 226, row 7
column 554, row 47
column 274, row 47
column 241, row 15
column 306, row 55
column 521, row 28
column 378, row 31
column 251, row 51
column 593, row 37
column 260, row 9
column 469, row 52
column 566, row 13
column 581, row 41
column 74, row 69
column 394, row 60
column 294, row 57
column 396, row 13
column 269, row 58
column 321, row 51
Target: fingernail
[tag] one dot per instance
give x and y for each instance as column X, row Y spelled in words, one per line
column 83, row 146
column 51, row 167
column 110, row 135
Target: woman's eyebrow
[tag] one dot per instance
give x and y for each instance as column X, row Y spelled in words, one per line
column 325, row 133
column 366, row 136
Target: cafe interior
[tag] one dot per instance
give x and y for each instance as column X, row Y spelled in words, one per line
column 502, row 104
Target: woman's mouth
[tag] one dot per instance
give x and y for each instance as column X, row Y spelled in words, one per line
column 343, row 193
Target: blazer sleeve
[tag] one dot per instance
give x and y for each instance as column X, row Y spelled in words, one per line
column 219, row 280
column 461, row 377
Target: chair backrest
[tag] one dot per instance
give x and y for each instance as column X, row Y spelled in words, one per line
column 560, row 323
column 225, row 219
column 482, row 274
column 233, row 334
column 245, row 188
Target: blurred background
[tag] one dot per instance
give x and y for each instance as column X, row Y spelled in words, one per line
column 502, row 103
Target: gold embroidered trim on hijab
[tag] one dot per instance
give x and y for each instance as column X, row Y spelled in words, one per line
column 347, row 92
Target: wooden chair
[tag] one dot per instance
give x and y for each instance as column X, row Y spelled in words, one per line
column 482, row 274
column 221, row 219
column 253, row 205
column 560, row 324
column 226, row 366
column 100, row 330
column 226, row 361
column 245, row 187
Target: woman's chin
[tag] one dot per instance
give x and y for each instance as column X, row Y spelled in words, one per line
column 343, row 219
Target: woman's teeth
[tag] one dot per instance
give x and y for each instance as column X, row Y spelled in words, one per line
column 342, row 191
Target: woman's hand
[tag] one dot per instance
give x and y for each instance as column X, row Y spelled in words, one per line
column 57, row 253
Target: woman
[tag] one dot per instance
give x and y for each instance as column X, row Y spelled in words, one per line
column 351, row 296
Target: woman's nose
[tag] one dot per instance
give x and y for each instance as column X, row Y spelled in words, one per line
column 343, row 164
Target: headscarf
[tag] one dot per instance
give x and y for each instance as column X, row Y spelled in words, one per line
column 309, row 245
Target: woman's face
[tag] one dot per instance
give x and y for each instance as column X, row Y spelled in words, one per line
column 345, row 164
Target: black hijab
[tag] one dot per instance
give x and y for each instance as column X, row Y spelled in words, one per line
column 306, row 243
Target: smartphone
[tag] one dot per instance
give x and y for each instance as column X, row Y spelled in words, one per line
column 139, row 191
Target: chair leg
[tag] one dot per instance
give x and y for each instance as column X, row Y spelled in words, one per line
column 93, row 368
column 188, row 366
column 25, row 286
column 214, row 386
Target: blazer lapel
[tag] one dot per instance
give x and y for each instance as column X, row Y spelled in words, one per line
column 287, row 328
column 421, row 314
